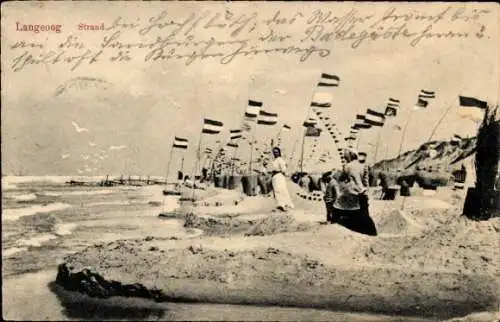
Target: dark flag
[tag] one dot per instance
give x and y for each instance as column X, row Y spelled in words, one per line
column 422, row 103
column 313, row 132
column 472, row 102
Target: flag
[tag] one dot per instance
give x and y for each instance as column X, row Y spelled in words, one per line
column 180, row 143
column 423, row 98
column 253, row 109
column 390, row 111
column 310, row 122
column 286, row 127
column 392, row 107
column 266, row 118
column 328, row 80
column 421, row 103
column 322, row 99
column 472, row 102
column 212, row 126
column 426, row 94
column 374, row 118
column 472, row 108
column 313, row 132
column 235, row 134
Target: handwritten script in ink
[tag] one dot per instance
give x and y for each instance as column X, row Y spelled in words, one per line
column 224, row 36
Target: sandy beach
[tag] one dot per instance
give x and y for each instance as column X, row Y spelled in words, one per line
column 427, row 261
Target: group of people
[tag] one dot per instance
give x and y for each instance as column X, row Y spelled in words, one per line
column 346, row 194
column 345, row 191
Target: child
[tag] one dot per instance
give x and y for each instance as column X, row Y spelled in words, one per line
column 329, row 197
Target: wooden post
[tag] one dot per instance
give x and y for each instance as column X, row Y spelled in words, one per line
column 302, row 152
column 168, row 165
column 198, row 153
column 252, row 142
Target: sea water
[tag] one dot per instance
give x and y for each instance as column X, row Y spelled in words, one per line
column 43, row 219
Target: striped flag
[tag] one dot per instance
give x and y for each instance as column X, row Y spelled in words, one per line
column 180, row 143
column 374, row 118
column 310, row 122
column 328, row 80
column 253, row 109
column 392, row 107
column 266, row 118
column 424, row 97
column 211, row 126
column 426, row 94
column 235, row 134
column 322, row 99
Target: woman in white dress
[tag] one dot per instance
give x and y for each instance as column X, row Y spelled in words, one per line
column 280, row 189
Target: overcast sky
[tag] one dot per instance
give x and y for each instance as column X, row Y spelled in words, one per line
column 142, row 105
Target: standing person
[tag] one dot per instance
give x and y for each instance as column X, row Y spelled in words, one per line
column 280, row 190
column 365, row 181
column 329, row 197
column 348, row 204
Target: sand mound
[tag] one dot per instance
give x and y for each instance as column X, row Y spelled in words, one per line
column 217, row 225
column 396, row 222
column 259, row 225
column 277, row 223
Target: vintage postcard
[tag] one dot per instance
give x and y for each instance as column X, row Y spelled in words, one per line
column 252, row 160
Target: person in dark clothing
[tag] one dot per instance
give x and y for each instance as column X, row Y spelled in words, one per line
column 329, row 197
column 365, row 180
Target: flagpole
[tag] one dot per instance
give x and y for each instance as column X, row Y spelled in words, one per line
column 233, row 160
column 169, row 163
column 293, row 152
column 359, row 138
column 196, row 164
column 403, row 134
column 251, row 148
column 168, row 169
column 302, row 152
column 439, row 123
column 375, row 155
